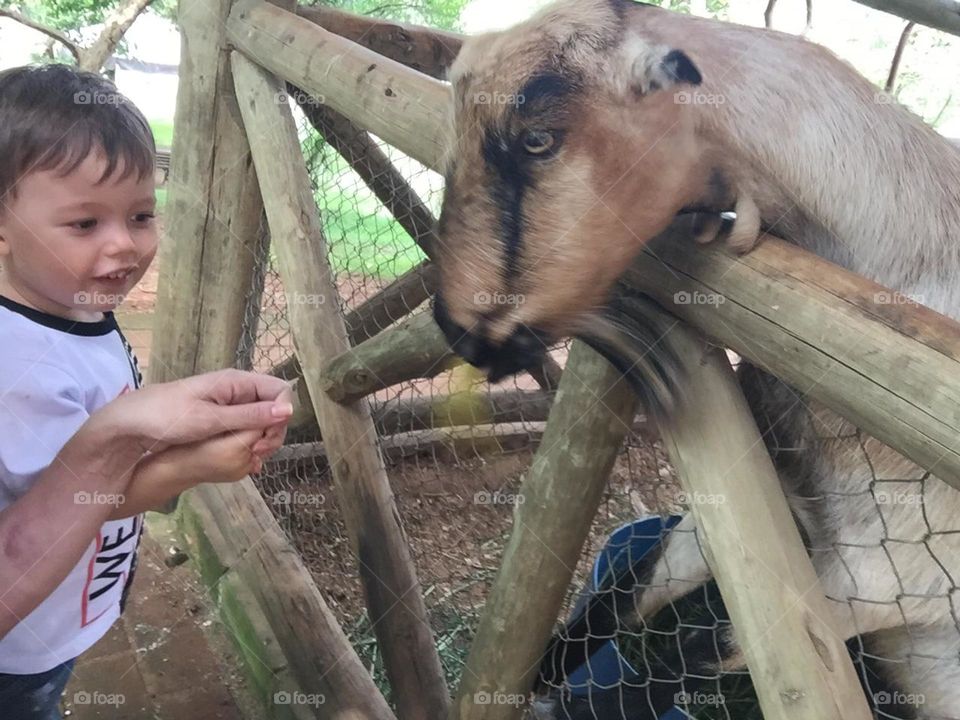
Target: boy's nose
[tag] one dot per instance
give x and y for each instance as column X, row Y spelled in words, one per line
column 121, row 243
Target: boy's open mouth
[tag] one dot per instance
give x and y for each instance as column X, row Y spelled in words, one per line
column 117, row 275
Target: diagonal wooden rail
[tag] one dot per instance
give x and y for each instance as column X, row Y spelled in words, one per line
column 394, row 599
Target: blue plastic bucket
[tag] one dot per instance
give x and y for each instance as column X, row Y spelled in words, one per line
column 607, row 668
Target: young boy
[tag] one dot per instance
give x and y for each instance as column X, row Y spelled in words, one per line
column 77, row 232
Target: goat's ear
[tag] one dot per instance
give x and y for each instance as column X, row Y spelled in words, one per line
column 659, row 69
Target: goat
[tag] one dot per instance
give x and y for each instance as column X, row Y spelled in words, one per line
column 577, row 137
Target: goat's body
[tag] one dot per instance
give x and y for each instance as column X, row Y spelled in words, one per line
column 860, row 181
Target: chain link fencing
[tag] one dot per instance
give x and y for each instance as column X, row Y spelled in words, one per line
column 456, row 448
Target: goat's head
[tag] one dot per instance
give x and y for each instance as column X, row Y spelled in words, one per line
column 569, row 152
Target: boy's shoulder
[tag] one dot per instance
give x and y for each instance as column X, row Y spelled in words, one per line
column 49, row 355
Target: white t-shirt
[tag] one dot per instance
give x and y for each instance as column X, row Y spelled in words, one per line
column 54, row 373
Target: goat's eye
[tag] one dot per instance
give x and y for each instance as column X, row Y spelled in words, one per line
column 538, row 142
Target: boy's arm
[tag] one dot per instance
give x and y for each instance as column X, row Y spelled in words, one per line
column 46, row 531
column 156, row 479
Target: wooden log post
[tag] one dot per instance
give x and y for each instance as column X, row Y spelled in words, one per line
column 393, row 595
column 213, row 209
column 785, row 626
column 249, row 546
column 558, row 499
column 207, row 263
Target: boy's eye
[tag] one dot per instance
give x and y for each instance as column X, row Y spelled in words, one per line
column 87, row 224
column 143, row 217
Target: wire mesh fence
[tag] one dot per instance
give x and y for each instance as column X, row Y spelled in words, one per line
column 880, row 531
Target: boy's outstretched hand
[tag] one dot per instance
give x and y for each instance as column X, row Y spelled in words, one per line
column 223, row 458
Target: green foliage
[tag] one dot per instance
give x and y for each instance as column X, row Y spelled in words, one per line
column 437, row 13
column 69, row 15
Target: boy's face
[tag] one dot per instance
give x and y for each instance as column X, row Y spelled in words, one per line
column 72, row 247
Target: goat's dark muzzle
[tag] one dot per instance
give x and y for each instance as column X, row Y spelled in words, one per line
column 525, row 348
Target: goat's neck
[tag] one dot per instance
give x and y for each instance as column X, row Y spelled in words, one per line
column 832, row 166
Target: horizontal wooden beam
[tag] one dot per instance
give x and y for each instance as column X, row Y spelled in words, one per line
column 426, row 49
column 458, row 439
column 938, row 14
column 414, row 349
column 885, row 363
column 399, row 105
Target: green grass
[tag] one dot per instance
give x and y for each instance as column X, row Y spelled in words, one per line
column 362, row 237
column 162, row 132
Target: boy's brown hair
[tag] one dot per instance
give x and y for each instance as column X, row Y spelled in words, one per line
column 53, row 117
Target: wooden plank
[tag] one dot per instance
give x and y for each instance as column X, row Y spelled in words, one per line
column 393, row 594
column 560, row 495
column 390, row 100
column 888, row 365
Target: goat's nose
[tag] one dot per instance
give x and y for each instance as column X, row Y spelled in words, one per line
column 524, row 348
column 471, row 347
